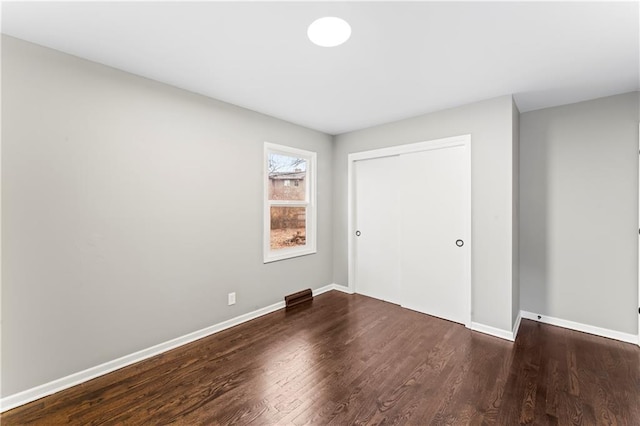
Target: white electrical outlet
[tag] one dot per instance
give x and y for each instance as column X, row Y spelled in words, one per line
column 232, row 299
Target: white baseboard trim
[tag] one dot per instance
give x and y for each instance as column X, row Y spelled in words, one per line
column 330, row 287
column 342, row 288
column 321, row 290
column 492, row 331
column 598, row 331
column 29, row 395
column 516, row 325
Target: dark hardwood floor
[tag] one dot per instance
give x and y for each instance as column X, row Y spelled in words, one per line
column 350, row 359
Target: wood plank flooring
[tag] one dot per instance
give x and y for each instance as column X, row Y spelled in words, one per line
column 349, row 359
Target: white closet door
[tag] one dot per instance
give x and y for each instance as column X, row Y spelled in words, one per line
column 377, row 228
column 434, row 196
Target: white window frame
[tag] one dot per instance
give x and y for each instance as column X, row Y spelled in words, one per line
column 309, row 203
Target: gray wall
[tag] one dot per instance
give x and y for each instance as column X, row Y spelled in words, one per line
column 515, row 215
column 130, row 210
column 579, row 212
column 490, row 125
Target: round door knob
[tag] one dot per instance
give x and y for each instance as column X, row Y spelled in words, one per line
column 459, row 243
column 358, row 233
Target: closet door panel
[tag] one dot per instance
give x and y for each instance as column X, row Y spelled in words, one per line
column 377, row 229
column 433, row 232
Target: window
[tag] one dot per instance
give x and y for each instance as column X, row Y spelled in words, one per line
column 289, row 210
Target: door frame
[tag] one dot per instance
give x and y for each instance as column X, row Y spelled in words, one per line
column 462, row 140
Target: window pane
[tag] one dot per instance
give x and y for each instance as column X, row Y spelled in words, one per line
column 288, row 227
column 287, row 176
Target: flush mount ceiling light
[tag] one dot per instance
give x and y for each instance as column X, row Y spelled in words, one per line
column 329, row 31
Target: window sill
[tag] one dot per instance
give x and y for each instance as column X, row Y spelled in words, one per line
column 285, row 254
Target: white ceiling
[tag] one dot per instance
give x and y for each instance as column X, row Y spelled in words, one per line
column 403, row 59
